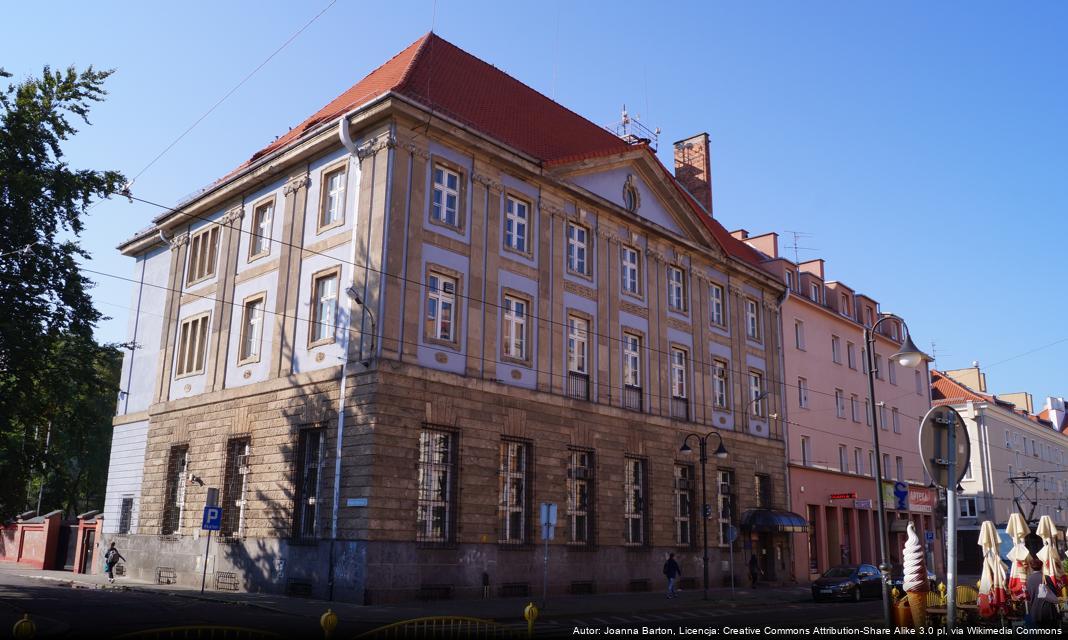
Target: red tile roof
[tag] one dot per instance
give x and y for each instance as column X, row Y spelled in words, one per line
column 946, row 390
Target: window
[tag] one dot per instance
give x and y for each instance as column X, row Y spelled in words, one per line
column 309, row 473
column 799, row 334
column 900, row 462
column 896, row 420
column 762, row 489
column 864, row 360
column 968, row 472
column 839, row 403
column 806, row 451
column 715, row 293
column 676, row 289
column 869, row 317
column 126, row 514
column 632, row 360
column 235, row 484
column 203, row 248
column 892, row 368
column 967, row 507
column 871, row 462
column 577, row 344
column 878, row 366
column 789, row 276
column 836, row 349
column 854, row 407
column 919, row 383
column 437, row 486
column 719, row 383
column 440, row 307
column 445, row 206
column 512, row 512
column 577, row 242
column 756, row 389
column 886, row 465
column 725, row 498
column 858, row 461
column 630, row 271
column 867, row 412
column 262, row 218
column 752, row 319
column 332, row 209
column 634, row 507
column 844, row 305
column 851, row 355
column 515, row 225
column 252, row 329
column 802, row 393
column 684, row 516
column 678, row 373
column 192, row 345
column 324, row 306
column 174, row 500
column 814, row 293
column 882, row 417
column 843, row 459
column 580, row 496
column 515, row 328
column 893, row 330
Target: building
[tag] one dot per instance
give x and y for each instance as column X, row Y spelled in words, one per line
column 437, row 303
column 831, row 453
column 1017, row 458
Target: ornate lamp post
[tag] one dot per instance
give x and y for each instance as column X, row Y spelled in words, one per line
column 721, row 452
column 908, row 356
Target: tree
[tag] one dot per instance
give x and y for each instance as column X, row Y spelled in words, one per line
column 46, row 314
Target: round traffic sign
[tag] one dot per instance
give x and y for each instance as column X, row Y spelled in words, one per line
column 934, row 446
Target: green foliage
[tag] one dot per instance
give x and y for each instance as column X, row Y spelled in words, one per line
column 51, row 369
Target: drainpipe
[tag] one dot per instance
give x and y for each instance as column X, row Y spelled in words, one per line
column 354, row 167
column 783, row 422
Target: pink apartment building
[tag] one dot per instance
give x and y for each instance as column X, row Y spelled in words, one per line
column 831, row 457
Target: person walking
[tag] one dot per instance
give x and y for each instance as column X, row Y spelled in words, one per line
column 754, row 571
column 111, row 558
column 672, row 572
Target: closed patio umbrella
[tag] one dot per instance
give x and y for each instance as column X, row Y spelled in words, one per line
column 993, row 588
column 1019, row 556
column 1052, row 570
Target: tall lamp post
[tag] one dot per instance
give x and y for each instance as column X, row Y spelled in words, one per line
column 721, row 452
column 908, row 356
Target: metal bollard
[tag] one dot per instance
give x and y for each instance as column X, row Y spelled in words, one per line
column 530, row 614
column 328, row 622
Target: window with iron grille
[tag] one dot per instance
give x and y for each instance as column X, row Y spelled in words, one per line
column 309, row 473
column 634, row 512
column 684, row 516
column 725, row 498
column 126, row 514
column 762, row 486
column 580, row 497
column 514, row 505
column 437, row 486
column 235, row 483
column 174, row 499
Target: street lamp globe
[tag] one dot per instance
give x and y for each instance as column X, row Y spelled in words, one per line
column 685, row 448
column 721, row 451
column 910, row 356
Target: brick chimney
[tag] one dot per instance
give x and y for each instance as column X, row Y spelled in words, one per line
column 693, row 168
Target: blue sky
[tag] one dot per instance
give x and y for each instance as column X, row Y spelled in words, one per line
column 922, row 146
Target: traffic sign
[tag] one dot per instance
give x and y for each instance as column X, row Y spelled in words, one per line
column 708, row 511
column 929, row 535
column 934, row 445
column 732, row 534
column 212, row 519
column 548, row 520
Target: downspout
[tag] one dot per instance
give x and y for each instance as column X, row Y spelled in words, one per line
column 784, row 423
column 985, row 455
column 350, row 146
column 133, row 338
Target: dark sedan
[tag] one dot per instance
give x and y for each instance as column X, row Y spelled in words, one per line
column 848, row 582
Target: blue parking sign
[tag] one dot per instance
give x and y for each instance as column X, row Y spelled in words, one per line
column 212, row 519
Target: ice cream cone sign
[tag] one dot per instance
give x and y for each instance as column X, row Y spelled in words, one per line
column 915, row 581
column 993, row 589
column 1019, row 556
column 1051, row 559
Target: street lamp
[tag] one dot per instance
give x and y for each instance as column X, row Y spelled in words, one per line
column 908, row 356
column 721, row 452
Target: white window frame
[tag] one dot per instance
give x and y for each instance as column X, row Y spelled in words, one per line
column 192, row 348
column 262, row 225
column 581, row 500
column 891, row 367
column 517, row 225
column 678, row 373
column 836, row 350
column 806, row 451
column 676, row 281
column 851, row 355
column 895, row 417
column 752, row 319
column 843, row 458
column 578, row 238
column 715, row 294
column 332, row 211
column 251, row 335
column 515, row 327
column 634, row 503
column 799, row 334
column 203, row 254
column 839, row 403
column 756, row 387
column 858, row 460
column 802, row 393
column 632, row 360
column 324, row 303
column 510, row 504
column 630, row 270
column 439, row 204
column 966, row 507
column 578, row 331
column 684, row 505
column 720, row 384
column 814, row 292
column 899, row 464
column 844, row 303
column 854, row 407
column 441, row 303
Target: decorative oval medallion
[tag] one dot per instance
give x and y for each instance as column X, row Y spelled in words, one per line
column 441, row 357
column 722, row 420
column 319, row 357
column 187, row 388
column 516, row 375
column 248, row 374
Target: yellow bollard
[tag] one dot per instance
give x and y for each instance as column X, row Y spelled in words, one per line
column 942, row 593
column 328, row 622
column 24, row 629
column 530, row 614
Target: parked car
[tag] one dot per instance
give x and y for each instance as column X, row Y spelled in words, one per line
column 848, row 582
column 897, row 577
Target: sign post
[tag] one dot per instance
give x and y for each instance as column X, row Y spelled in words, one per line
column 212, row 521
column 548, row 528
column 945, row 451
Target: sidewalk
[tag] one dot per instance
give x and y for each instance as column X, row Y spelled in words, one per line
column 504, row 610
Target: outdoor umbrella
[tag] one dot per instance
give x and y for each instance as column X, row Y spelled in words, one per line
column 1052, row 570
column 1019, row 556
column 993, row 591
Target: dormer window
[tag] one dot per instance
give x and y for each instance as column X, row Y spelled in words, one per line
column 815, row 293
column 844, row 310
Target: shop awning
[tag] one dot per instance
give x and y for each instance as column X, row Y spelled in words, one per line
column 773, row 520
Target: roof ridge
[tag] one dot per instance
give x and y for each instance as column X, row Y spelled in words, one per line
column 426, row 39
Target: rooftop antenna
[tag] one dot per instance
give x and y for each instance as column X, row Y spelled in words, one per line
column 796, row 247
column 633, row 131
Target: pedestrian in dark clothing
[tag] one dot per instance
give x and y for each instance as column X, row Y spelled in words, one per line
column 754, row 571
column 111, row 558
column 672, row 571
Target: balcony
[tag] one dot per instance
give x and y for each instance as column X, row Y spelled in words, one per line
column 680, row 408
column 578, row 385
column 632, row 397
